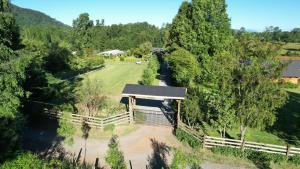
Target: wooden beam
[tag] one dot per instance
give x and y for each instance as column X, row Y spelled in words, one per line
column 178, row 110
column 130, row 105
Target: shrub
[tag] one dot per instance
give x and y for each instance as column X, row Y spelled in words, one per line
column 294, row 160
column 110, row 127
column 114, row 156
column 187, row 138
column 227, row 151
column 183, row 160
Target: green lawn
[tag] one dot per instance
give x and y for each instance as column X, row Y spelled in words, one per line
column 115, row 75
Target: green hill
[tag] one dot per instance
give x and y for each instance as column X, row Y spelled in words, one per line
column 29, row 17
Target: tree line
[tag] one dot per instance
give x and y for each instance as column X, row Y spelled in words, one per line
column 229, row 75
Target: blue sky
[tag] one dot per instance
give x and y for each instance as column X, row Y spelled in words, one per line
column 252, row 14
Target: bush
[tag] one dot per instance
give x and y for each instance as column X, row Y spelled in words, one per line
column 227, row 151
column 114, row 156
column 183, row 160
column 95, row 61
column 110, row 127
column 187, row 138
column 294, row 160
column 150, row 72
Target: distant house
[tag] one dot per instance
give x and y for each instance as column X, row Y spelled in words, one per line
column 115, row 52
column 292, row 73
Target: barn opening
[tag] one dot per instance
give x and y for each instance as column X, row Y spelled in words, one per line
column 154, row 105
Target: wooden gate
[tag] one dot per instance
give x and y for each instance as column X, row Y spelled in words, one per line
column 152, row 117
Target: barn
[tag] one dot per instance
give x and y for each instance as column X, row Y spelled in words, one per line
column 292, row 72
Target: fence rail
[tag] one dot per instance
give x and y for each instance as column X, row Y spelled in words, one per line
column 123, row 118
column 210, row 142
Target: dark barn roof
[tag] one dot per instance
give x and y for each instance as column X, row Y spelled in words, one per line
column 161, row 92
column 293, row 69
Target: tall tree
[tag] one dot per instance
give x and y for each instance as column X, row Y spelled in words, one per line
column 202, row 27
column 257, row 95
column 11, row 79
column 9, row 30
column 181, row 31
column 82, row 26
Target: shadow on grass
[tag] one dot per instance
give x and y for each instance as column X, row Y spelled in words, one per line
column 158, row 159
column 68, row 75
column 287, row 125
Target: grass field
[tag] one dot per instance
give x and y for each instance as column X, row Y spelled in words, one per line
column 290, row 49
column 115, row 75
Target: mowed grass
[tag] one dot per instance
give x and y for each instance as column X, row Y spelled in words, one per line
column 115, row 75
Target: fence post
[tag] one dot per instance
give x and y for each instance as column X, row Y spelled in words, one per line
column 288, row 148
column 102, row 125
column 204, row 141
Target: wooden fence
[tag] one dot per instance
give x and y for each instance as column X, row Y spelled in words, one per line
column 96, row 122
column 210, row 142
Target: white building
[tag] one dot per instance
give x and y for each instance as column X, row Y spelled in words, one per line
column 115, row 52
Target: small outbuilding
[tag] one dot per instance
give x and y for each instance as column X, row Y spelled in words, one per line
column 292, row 73
column 115, row 52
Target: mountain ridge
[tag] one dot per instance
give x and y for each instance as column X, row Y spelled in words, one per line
column 30, row 17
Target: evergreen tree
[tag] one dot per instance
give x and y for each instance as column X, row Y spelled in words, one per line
column 114, row 156
column 202, row 27
column 11, row 79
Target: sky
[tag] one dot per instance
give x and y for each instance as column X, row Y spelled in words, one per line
column 254, row 15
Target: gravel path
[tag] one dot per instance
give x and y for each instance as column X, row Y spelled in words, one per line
column 138, row 146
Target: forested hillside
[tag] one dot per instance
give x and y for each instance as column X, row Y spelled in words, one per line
column 26, row 17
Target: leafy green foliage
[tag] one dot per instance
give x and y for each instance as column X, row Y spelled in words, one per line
column 114, row 157
column 9, row 31
column 66, row 128
column 90, row 96
column 187, row 138
column 184, row 160
column 259, row 158
column 143, row 50
column 202, row 27
column 25, row 161
column 150, row 72
column 184, row 67
column 12, row 67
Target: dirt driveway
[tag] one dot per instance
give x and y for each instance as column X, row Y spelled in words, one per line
column 140, row 147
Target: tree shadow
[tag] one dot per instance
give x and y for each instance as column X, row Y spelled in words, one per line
column 85, row 129
column 287, row 125
column 158, row 158
column 260, row 160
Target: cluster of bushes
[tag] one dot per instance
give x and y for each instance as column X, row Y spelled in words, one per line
column 187, row 138
column 150, row 72
column 29, row 160
column 257, row 157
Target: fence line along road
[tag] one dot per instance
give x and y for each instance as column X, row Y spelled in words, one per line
column 210, row 142
column 123, row 118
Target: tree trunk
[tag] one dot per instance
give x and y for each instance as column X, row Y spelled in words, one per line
column 242, row 136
